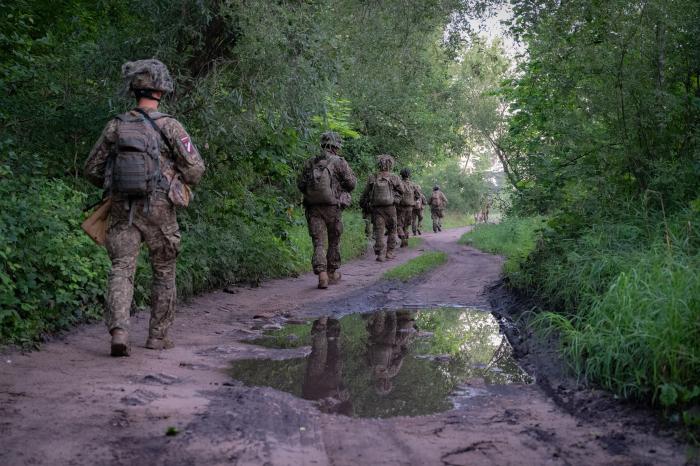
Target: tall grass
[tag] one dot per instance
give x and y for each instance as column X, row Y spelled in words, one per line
column 514, row 238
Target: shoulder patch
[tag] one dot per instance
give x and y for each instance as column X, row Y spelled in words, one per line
column 187, row 144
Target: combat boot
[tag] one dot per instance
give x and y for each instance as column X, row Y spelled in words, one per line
column 120, row 343
column 390, row 255
column 419, row 232
column 334, row 277
column 380, row 258
column 323, row 280
column 159, row 343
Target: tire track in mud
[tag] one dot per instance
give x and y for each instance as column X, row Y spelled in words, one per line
column 105, row 411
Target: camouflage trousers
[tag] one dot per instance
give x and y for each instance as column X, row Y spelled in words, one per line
column 325, row 223
column 404, row 215
column 436, row 216
column 157, row 228
column 417, row 220
column 384, row 222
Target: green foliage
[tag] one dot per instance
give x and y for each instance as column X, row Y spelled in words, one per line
column 427, row 261
column 51, row 274
column 514, row 238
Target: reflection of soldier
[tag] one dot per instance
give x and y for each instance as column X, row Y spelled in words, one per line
column 326, row 181
column 146, row 161
column 323, row 378
column 390, row 333
column 405, row 208
column 417, row 214
column 381, row 195
column 437, row 203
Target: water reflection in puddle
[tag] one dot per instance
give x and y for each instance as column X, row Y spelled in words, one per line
column 388, row 363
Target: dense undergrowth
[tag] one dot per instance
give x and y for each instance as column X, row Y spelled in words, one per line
column 626, row 296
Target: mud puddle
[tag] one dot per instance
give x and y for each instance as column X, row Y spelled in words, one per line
column 388, row 363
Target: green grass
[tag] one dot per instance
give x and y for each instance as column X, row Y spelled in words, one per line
column 417, row 266
column 514, row 238
column 451, row 220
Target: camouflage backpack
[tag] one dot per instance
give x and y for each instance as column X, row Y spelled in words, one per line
column 136, row 171
column 408, row 197
column 319, row 189
column 382, row 193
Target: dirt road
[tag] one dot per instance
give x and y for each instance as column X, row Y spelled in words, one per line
column 70, row 403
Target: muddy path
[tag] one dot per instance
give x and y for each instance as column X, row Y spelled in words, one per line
column 72, row 404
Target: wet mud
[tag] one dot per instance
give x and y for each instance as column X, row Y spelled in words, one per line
column 70, row 403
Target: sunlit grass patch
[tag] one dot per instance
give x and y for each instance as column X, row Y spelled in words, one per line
column 514, row 238
column 451, row 220
column 417, row 266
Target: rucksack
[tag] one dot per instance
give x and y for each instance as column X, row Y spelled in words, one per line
column 319, row 188
column 436, row 201
column 408, row 197
column 136, row 170
column 382, row 193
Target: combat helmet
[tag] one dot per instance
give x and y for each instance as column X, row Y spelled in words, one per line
column 385, row 162
column 405, row 173
column 331, row 139
column 436, row 188
column 143, row 77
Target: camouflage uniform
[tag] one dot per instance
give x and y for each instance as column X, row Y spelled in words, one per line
column 155, row 224
column 384, row 218
column 437, row 202
column 405, row 209
column 325, row 220
column 417, row 214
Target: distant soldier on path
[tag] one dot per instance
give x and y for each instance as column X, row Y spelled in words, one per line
column 146, row 162
column 417, row 214
column 406, row 205
column 437, row 203
column 326, row 181
column 382, row 194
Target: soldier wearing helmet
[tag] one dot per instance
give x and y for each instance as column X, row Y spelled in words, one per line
column 326, row 182
column 146, row 163
column 383, row 192
column 437, row 203
column 411, row 195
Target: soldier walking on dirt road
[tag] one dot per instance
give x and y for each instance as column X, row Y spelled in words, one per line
column 326, row 182
column 146, row 162
column 417, row 214
column 382, row 194
column 437, row 203
column 406, row 205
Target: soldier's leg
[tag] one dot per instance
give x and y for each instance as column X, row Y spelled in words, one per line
column 434, row 218
column 440, row 214
column 391, row 226
column 379, row 225
column 420, row 221
column 334, row 224
column 318, row 233
column 414, row 221
column 164, row 245
column 123, row 242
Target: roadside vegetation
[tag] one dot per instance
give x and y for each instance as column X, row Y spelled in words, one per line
column 417, row 266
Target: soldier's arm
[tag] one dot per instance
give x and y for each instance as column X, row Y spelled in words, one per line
column 188, row 161
column 301, row 179
column 364, row 199
column 96, row 162
column 345, row 175
column 398, row 189
column 444, row 198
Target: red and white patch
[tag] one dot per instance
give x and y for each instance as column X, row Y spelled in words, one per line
column 187, row 143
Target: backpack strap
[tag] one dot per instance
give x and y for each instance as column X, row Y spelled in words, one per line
column 157, row 128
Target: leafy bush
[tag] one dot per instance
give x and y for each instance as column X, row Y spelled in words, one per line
column 51, row 274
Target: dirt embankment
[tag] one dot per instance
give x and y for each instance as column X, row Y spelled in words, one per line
column 72, row 404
